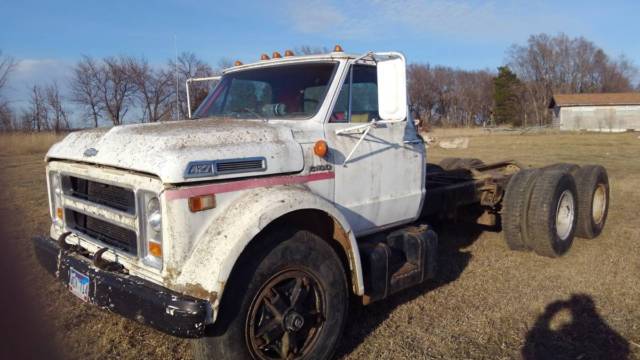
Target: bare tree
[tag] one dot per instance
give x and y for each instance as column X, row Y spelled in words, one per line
column 85, row 88
column 7, row 65
column 6, row 117
column 154, row 89
column 58, row 114
column 450, row 97
column 116, row 88
column 560, row 64
column 36, row 116
column 223, row 63
column 190, row 66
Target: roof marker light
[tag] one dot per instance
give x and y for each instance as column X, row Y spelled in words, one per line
column 288, row 53
column 337, row 48
column 276, row 55
column 264, row 57
column 237, row 63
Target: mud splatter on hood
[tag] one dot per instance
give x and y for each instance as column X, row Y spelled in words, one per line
column 164, row 149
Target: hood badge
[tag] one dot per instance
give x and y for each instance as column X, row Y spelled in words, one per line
column 196, row 169
column 90, row 152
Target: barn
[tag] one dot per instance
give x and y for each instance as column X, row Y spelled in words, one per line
column 611, row 112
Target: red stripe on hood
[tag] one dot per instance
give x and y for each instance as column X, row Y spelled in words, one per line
column 231, row 186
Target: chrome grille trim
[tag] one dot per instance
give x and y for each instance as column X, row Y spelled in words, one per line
column 115, row 196
column 106, row 232
column 109, row 208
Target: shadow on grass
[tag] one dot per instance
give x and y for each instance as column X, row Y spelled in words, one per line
column 452, row 261
column 573, row 329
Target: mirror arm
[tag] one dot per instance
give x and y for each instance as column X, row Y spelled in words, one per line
column 364, row 134
column 189, row 81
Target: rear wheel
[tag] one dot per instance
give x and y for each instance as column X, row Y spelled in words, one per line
column 433, row 168
column 593, row 191
column 293, row 305
column 515, row 207
column 564, row 167
column 552, row 213
column 460, row 163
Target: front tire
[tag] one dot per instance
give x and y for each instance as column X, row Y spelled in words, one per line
column 294, row 306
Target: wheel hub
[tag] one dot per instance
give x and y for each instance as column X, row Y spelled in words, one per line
column 599, row 206
column 565, row 213
column 293, row 321
column 286, row 316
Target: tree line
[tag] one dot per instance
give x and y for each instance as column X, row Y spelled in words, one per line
column 106, row 90
column 518, row 94
column 114, row 89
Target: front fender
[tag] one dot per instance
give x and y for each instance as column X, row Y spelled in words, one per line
column 215, row 253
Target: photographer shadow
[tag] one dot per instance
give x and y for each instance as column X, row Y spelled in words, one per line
column 573, row 329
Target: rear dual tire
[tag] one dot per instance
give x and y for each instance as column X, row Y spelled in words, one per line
column 552, row 219
column 461, row 163
column 515, row 208
column 543, row 209
column 593, row 191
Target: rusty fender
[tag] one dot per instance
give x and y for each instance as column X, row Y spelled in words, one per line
column 215, row 252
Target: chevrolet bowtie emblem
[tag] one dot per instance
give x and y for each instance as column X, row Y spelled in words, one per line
column 90, row 152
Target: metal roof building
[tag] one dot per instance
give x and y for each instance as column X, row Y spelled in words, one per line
column 612, row 112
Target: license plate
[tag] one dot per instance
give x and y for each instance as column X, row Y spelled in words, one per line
column 79, row 284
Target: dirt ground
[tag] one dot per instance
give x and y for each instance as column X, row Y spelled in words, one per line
column 486, row 303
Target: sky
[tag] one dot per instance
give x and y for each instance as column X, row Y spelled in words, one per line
column 48, row 37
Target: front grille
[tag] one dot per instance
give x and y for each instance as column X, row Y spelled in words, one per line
column 116, row 197
column 106, row 232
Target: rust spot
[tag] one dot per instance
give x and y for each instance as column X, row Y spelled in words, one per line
column 198, row 291
column 172, row 274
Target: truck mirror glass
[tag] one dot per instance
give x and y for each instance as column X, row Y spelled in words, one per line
column 392, row 86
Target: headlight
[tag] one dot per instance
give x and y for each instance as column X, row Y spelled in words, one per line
column 151, row 229
column 55, row 198
column 154, row 216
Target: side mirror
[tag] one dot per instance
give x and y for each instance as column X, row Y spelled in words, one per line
column 392, row 86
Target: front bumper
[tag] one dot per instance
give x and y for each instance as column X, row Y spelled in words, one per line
column 129, row 296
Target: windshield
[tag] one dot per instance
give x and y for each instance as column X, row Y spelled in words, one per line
column 286, row 92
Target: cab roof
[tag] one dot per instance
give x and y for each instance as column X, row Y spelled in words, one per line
column 294, row 59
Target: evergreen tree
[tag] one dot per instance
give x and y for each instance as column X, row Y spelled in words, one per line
column 506, row 97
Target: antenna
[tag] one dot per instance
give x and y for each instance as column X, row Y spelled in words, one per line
column 175, row 47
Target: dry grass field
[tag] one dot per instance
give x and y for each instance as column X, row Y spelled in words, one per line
column 486, row 303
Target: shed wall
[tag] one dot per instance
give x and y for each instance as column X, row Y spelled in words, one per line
column 599, row 118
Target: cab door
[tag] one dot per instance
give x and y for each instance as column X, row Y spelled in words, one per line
column 381, row 183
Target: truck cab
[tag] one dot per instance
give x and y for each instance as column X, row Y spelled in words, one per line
column 298, row 182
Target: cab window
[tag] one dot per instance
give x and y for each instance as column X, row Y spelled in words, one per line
column 360, row 89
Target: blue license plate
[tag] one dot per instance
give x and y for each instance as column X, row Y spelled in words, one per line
column 79, row 284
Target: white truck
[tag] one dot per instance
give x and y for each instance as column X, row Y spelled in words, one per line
column 300, row 183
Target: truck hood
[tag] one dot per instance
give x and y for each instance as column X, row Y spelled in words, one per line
column 168, row 149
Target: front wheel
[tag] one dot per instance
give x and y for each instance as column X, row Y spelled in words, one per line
column 294, row 306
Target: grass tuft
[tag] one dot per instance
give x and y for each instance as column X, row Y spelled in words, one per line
column 27, row 143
